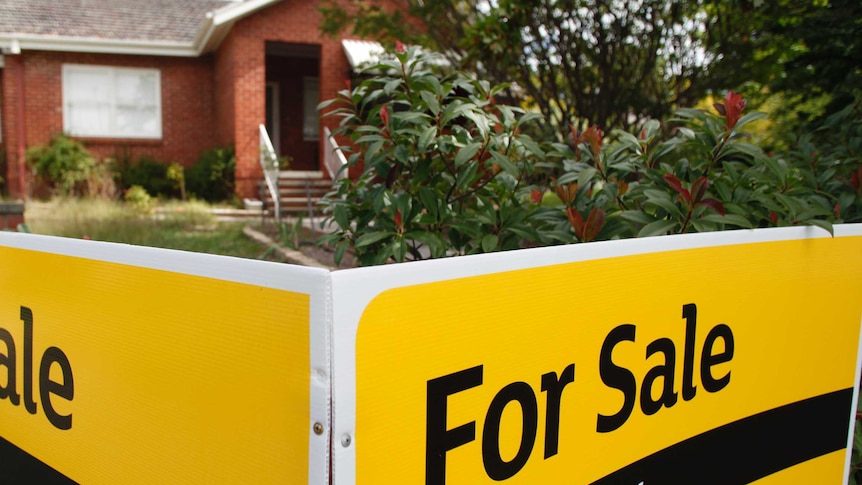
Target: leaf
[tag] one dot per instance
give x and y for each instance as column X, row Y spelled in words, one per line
column 732, row 219
column 339, row 253
column 410, row 116
column 489, row 243
column 662, row 200
column 586, row 176
column 638, row 216
column 714, row 205
column 339, row 213
column 431, row 101
column 675, row 184
column 467, row 153
column 370, row 238
column 429, row 200
column 657, row 228
column 753, row 116
column 426, row 138
column 826, row 225
column 532, row 146
column 505, row 164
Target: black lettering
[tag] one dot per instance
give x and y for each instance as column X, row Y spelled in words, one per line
column 689, row 312
column 439, row 440
column 618, row 378
column 496, row 468
column 554, row 387
column 708, row 359
column 10, row 390
column 27, row 318
column 668, row 398
column 66, row 389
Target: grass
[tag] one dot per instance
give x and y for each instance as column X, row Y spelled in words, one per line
column 188, row 226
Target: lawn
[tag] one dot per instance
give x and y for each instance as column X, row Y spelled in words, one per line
column 188, row 226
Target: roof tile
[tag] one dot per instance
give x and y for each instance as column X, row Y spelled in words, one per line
column 133, row 20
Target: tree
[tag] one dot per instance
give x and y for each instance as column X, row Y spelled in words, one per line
column 606, row 62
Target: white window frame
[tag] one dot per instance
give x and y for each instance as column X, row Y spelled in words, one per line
column 113, row 104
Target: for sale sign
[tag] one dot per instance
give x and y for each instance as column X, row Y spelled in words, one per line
column 134, row 365
column 728, row 358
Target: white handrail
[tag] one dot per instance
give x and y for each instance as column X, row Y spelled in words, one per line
column 334, row 158
column 269, row 164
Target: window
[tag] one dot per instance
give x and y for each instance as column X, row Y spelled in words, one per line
column 310, row 118
column 112, row 102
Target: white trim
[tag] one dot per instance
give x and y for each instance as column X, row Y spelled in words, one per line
column 353, row 289
column 236, row 11
column 96, row 45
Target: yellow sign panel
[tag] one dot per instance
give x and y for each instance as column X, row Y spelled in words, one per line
column 120, row 374
column 723, row 365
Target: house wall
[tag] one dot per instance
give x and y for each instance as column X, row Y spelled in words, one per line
column 187, row 106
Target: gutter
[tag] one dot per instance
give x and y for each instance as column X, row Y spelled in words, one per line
column 96, row 45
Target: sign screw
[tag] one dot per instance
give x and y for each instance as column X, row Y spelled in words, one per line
column 345, row 440
column 318, row 429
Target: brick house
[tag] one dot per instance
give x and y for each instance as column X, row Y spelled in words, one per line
column 169, row 79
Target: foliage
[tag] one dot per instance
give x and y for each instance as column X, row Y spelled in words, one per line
column 177, row 174
column 148, row 173
column 609, row 63
column 447, row 170
column 188, row 226
column 138, row 198
column 706, row 177
column 64, row 164
column 822, row 52
column 444, row 166
column 211, row 178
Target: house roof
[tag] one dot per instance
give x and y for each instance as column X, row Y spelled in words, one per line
column 159, row 27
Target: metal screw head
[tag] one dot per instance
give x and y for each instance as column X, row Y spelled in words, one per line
column 318, row 429
column 345, row 440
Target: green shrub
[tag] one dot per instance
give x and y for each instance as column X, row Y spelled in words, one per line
column 445, row 167
column 446, row 170
column 138, row 198
column 146, row 172
column 63, row 164
column 177, row 174
column 211, row 178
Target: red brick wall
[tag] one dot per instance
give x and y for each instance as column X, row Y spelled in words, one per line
column 187, row 105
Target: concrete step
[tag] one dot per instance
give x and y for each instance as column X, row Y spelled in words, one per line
column 300, row 174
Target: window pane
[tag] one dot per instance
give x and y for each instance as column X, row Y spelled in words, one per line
column 87, row 85
column 137, row 122
column 136, row 88
column 88, row 119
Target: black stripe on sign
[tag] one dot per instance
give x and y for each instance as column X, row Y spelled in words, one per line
column 19, row 467
column 749, row 449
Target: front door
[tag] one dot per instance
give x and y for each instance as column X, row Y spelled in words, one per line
column 292, row 95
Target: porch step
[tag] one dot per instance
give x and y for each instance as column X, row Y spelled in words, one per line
column 294, row 189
